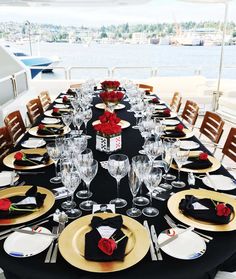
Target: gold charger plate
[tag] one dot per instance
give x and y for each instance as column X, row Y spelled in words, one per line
column 123, row 123
column 72, row 239
column 20, row 190
column 9, row 159
column 34, row 131
column 215, row 164
column 173, row 206
column 49, row 112
column 188, row 133
column 172, row 115
column 103, row 106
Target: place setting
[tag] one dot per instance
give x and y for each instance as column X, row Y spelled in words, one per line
column 33, row 143
column 177, row 132
column 50, row 120
column 49, row 130
column 56, row 112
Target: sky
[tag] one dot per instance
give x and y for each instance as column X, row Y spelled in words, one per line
column 155, row 11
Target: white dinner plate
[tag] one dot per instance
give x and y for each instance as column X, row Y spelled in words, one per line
column 187, row 246
column 22, row 245
column 33, row 143
column 8, row 177
column 61, row 106
column 48, row 120
column 103, row 106
column 221, row 182
column 170, row 122
column 160, row 107
column 189, row 144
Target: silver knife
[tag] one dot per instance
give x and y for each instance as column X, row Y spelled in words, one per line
column 172, row 238
column 152, row 250
column 34, row 232
column 154, row 239
column 30, row 172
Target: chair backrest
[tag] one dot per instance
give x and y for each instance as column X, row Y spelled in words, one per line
column 190, row 112
column 229, row 148
column 5, row 142
column 45, row 99
column 145, row 87
column 212, row 126
column 176, row 102
column 15, row 125
column 34, row 109
column 75, row 86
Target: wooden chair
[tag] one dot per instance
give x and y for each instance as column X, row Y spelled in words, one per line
column 34, row 109
column 145, row 87
column 190, row 112
column 212, row 128
column 15, row 125
column 45, row 99
column 229, row 148
column 5, row 143
column 75, row 86
column 176, row 102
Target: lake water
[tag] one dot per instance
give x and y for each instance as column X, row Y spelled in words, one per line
column 184, row 59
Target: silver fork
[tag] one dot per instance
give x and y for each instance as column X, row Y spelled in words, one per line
column 49, row 253
column 172, row 223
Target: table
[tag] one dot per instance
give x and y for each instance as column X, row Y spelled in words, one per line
column 220, row 250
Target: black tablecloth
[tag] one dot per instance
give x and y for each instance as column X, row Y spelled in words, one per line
column 220, row 253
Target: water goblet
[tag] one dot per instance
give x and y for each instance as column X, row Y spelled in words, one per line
column 54, row 152
column 153, row 149
column 118, row 166
column 88, row 170
column 152, row 180
column 134, row 185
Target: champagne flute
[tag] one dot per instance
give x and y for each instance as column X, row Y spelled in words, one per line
column 181, row 157
column 118, row 167
column 54, row 152
column 66, row 169
column 134, row 185
column 153, row 149
column 152, row 180
column 88, row 170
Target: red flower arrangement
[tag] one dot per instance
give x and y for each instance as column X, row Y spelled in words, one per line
column 222, row 210
column 110, row 84
column 179, row 128
column 203, row 156
column 20, row 156
column 111, row 96
column 108, row 125
column 7, row 205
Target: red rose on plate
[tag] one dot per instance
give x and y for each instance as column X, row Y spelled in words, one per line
column 179, row 128
column 64, row 99
column 167, row 112
column 56, row 110
column 41, row 127
column 107, row 245
column 222, row 210
column 5, row 204
column 203, row 156
column 19, row 156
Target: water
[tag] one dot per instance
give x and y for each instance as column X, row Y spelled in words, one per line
column 188, row 58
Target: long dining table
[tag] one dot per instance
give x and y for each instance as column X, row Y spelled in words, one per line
column 220, row 253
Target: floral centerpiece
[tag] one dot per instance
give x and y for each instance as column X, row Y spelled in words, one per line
column 108, row 136
column 108, row 85
column 111, row 98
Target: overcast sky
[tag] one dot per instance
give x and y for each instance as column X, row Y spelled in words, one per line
column 156, row 11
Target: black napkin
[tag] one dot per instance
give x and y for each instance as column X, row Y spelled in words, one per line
column 32, row 192
column 35, row 158
column 92, row 252
column 56, row 113
column 154, row 101
column 161, row 114
column 174, row 134
column 70, row 92
column 50, row 131
column 210, row 214
column 198, row 164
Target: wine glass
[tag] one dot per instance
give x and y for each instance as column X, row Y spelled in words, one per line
column 181, row 157
column 87, row 116
column 79, row 143
column 134, row 185
column 54, row 152
column 118, row 167
column 166, row 166
column 153, row 149
column 169, row 146
column 66, row 169
column 152, row 180
column 67, row 119
column 88, row 170
column 142, row 166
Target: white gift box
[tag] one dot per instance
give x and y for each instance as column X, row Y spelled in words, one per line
column 108, row 144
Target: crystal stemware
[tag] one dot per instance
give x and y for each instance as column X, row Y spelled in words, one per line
column 152, row 180
column 87, row 116
column 118, row 166
column 134, row 185
column 153, row 149
column 54, row 152
column 66, row 170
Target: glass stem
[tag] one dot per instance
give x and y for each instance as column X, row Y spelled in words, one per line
column 178, row 173
column 85, row 124
column 150, row 199
column 88, row 186
column 56, row 161
column 118, row 188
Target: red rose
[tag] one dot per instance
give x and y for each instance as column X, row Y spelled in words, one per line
column 155, row 101
column 19, row 156
column 5, row 204
column 222, row 210
column 203, row 156
column 167, row 112
column 41, row 127
column 64, row 99
column 179, row 128
column 56, row 110
column 107, row 245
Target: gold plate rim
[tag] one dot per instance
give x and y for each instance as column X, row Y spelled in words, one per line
column 124, row 124
column 173, row 206
column 48, row 113
column 188, row 134
column 9, row 159
column 72, row 255
column 48, row 204
column 33, row 131
column 215, row 164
